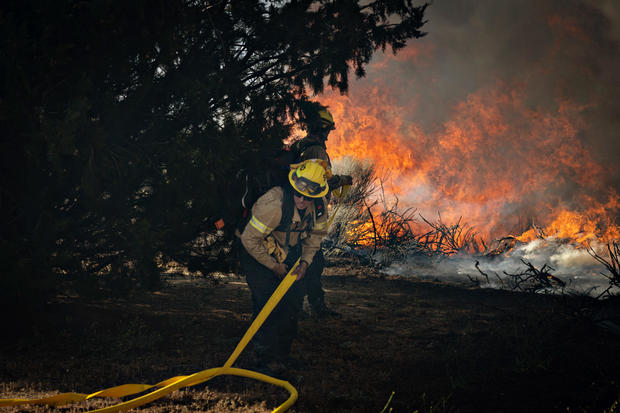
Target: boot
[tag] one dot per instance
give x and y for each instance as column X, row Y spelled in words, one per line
column 267, row 362
column 318, row 309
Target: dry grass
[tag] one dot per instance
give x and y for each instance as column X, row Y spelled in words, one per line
column 438, row 347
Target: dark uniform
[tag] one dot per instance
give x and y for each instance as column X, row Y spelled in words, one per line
column 313, row 147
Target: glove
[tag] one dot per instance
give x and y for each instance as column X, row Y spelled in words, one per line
column 280, row 269
column 300, row 271
column 346, row 180
column 333, row 182
column 336, row 181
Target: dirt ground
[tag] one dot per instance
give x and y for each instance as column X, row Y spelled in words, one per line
column 437, row 347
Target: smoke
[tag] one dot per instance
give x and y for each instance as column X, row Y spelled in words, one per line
column 580, row 272
column 556, row 50
column 506, row 114
column 500, row 95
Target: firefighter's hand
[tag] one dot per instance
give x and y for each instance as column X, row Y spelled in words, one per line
column 346, row 180
column 300, row 271
column 280, row 269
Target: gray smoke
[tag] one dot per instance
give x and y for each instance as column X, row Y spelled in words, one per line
column 553, row 50
column 580, row 272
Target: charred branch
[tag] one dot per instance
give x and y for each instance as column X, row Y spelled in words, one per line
column 486, row 276
column 451, row 239
column 374, row 226
column 503, row 245
column 534, row 279
column 612, row 264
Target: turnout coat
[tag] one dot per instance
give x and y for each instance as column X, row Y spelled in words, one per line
column 265, row 224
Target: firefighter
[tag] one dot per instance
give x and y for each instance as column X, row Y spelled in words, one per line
column 288, row 222
column 320, row 124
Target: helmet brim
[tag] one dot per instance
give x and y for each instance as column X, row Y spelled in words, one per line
column 303, row 192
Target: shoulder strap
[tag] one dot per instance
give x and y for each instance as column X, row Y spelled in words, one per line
column 288, row 205
column 287, row 214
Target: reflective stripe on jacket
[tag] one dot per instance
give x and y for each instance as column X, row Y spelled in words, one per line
column 266, row 216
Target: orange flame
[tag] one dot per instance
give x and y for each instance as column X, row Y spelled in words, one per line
column 498, row 163
column 582, row 227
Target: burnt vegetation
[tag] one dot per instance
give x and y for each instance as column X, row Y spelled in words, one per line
column 611, row 264
column 378, row 232
column 436, row 347
column 365, row 219
column 532, row 279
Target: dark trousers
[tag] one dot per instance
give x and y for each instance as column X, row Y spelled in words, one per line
column 312, row 281
column 273, row 340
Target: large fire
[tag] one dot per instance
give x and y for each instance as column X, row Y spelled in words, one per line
column 504, row 166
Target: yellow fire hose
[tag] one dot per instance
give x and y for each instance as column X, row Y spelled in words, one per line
column 168, row 386
column 174, row 383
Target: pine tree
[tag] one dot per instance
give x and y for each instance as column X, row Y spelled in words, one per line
column 122, row 122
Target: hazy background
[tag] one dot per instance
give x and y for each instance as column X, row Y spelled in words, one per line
column 506, row 112
column 556, row 50
column 503, row 105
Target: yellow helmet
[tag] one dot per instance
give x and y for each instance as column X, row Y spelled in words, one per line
column 309, row 178
column 327, row 120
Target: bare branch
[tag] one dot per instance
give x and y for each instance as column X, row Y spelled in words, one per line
column 612, row 265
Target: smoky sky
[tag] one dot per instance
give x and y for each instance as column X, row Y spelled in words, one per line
column 554, row 51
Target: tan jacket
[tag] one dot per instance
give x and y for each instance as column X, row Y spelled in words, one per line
column 266, row 216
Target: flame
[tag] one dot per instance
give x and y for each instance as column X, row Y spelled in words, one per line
column 582, row 227
column 498, row 162
column 362, row 232
column 363, row 133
